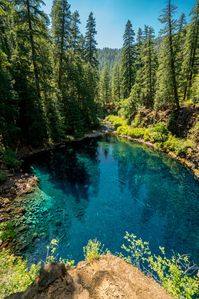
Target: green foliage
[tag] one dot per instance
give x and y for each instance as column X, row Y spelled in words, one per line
column 136, row 121
column 178, row 146
column 132, row 132
column 128, row 59
column 116, row 121
column 7, row 231
column 52, row 255
column 137, row 250
column 90, row 42
column 125, row 108
column 3, row 176
column 175, row 273
column 10, row 159
column 93, row 250
column 14, row 274
column 158, row 133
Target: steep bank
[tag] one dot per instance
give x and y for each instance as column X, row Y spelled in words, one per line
column 108, row 277
column 173, row 132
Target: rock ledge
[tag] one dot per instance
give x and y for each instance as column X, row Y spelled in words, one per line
column 108, row 277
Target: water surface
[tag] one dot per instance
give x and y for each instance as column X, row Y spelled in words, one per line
column 100, row 188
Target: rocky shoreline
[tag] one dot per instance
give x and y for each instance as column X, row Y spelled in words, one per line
column 186, row 163
column 16, row 186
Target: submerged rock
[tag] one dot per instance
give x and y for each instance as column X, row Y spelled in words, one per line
column 108, row 277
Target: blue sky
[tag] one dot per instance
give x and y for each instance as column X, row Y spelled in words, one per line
column 112, row 15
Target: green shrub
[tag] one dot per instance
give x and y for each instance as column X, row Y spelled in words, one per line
column 132, row 132
column 52, row 256
column 125, row 108
column 3, row 176
column 158, row 133
column 136, row 132
column 175, row 274
column 124, row 130
column 136, row 121
column 116, row 121
column 93, row 250
column 178, row 146
column 14, row 274
column 10, row 159
column 7, row 231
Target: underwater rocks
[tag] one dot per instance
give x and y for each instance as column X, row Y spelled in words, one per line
column 104, row 278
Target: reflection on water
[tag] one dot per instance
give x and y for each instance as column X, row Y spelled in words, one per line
column 102, row 188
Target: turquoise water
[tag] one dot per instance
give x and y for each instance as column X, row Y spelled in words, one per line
column 100, row 188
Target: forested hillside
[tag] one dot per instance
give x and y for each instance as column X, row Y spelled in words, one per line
column 108, row 57
column 48, row 75
column 157, row 73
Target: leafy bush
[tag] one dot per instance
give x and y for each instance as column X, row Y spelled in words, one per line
column 125, row 108
column 93, row 250
column 136, row 132
column 6, row 231
column 52, row 255
column 175, row 274
column 178, row 146
column 10, row 159
column 3, row 176
column 14, row 274
column 124, row 130
column 132, row 132
column 116, row 121
column 136, row 121
column 158, row 133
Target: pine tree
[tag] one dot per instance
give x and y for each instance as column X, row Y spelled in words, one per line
column 191, row 52
column 29, row 60
column 144, row 88
column 128, row 59
column 167, row 87
column 148, row 69
column 90, row 42
column 76, row 38
column 104, row 87
column 61, row 33
column 139, row 42
column 180, row 42
column 116, row 83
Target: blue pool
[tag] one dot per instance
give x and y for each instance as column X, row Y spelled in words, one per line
column 101, row 188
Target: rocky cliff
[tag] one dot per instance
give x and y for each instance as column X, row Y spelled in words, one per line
column 108, row 277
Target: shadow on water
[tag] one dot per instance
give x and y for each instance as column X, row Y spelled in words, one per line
column 100, row 188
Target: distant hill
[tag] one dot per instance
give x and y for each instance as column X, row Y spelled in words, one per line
column 108, row 56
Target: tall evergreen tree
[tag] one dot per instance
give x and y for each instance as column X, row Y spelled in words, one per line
column 76, row 38
column 128, row 59
column 28, row 68
column 148, row 67
column 180, row 43
column 61, row 31
column 144, row 88
column 190, row 66
column 116, row 86
column 105, row 87
column 90, row 42
column 167, row 86
column 139, row 42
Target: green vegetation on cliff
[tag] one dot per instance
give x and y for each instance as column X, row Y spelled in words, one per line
column 176, row 274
